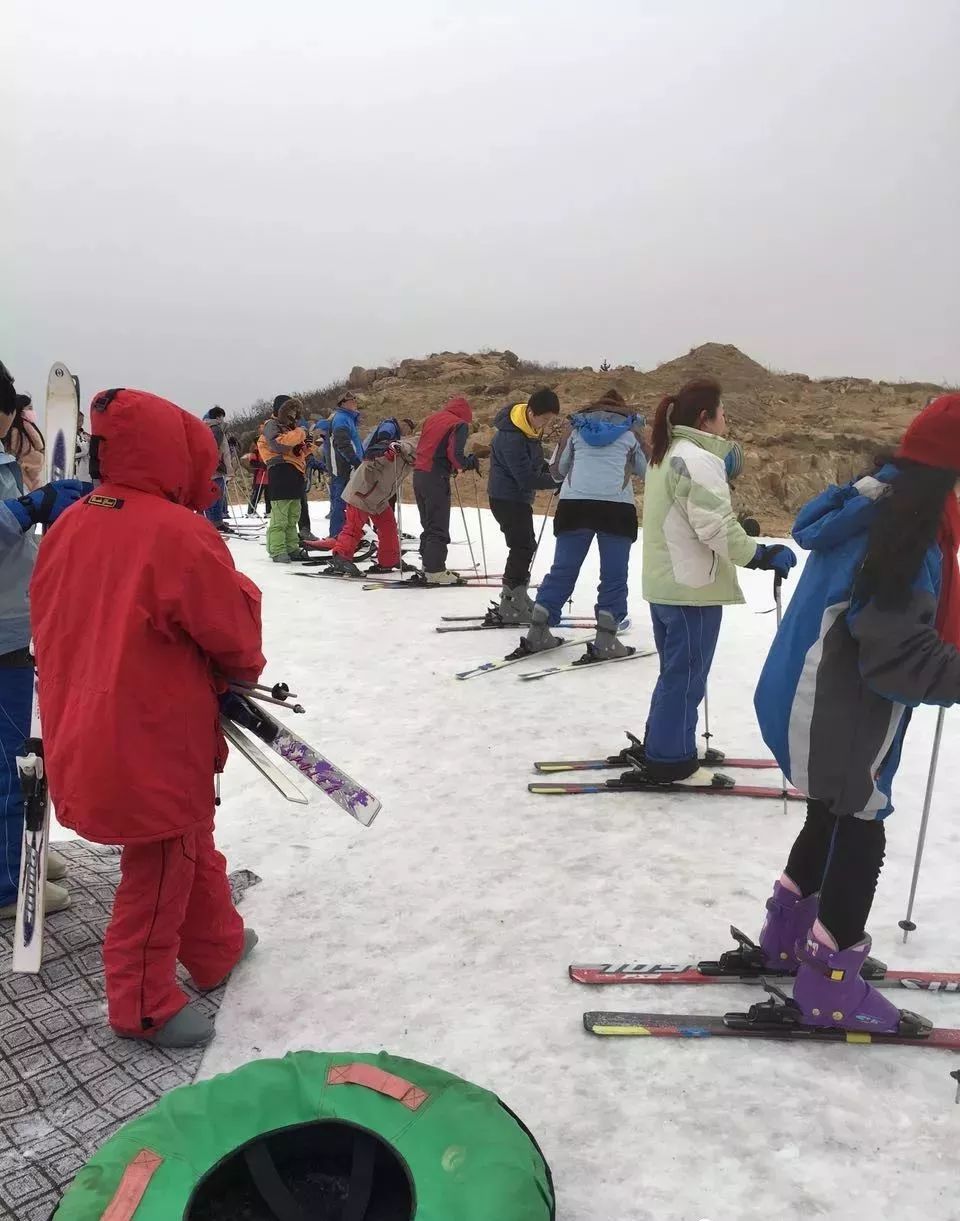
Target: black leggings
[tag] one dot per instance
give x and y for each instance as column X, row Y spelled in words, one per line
column 515, row 519
column 840, row 858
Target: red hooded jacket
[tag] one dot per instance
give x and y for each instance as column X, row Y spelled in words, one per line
column 135, row 604
column 442, row 438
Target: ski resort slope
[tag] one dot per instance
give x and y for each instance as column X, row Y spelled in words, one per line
column 444, row 931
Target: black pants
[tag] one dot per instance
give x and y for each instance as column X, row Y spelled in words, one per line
column 433, row 501
column 515, row 520
column 840, row 857
column 303, row 526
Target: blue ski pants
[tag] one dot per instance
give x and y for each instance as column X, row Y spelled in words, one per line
column 557, row 586
column 686, row 640
column 218, row 510
column 16, row 705
column 338, row 511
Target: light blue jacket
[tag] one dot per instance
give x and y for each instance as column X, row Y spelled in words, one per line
column 599, row 457
column 18, row 551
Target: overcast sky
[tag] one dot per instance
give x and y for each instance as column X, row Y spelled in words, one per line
column 220, row 200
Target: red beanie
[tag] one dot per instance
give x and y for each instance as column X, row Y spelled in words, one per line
column 933, row 437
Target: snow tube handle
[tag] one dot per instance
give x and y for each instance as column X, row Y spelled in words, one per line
column 133, row 1186
column 372, row 1078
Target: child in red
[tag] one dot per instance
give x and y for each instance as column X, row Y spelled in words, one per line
column 369, row 496
column 138, row 614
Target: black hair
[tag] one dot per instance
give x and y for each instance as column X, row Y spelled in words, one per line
column 543, row 402
column 904, row 527
column 216, row 413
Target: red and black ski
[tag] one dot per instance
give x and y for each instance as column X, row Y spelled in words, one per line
column 690, row 973
column 559, row 788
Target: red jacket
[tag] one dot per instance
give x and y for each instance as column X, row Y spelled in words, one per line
column 135, row 604
column 442, row 438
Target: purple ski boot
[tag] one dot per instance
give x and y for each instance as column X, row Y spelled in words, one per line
column 829, row 991
column 788, row 921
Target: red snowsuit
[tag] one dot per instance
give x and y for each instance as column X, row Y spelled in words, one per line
column 136, row 604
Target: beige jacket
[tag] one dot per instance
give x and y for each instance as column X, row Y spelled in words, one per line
column 376, row 480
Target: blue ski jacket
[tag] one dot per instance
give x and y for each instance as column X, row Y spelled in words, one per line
column 347, row 448
column 842, row 676
column 385, row 432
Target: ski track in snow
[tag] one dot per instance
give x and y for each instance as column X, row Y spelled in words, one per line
column 444, row 931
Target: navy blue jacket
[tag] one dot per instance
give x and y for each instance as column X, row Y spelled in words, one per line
column 517, row 465
column 386, row 431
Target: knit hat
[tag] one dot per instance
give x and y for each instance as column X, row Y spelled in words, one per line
column 279, row 401
column 933, row 438
column 349, row 397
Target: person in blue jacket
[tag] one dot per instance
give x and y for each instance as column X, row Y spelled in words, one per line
column 596, row 458
column 872, row 632
column 19, row 515
column 518, row 470
column 346, row 454
column 390, row 429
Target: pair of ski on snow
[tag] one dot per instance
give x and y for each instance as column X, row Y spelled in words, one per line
column 775, row 1018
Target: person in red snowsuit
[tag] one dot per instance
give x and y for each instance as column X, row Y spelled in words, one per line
column 138, row 614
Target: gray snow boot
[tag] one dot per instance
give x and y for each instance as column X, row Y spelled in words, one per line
column 608, row 644
column 514, row 609
column 188, row 1028
column 539, row 638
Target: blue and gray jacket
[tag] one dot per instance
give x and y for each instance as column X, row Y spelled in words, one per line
column 518, row 468
column 345, row 443
column 842, row 677
column 18, row 551
column 381, row 436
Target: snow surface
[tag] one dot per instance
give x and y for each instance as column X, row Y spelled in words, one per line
column 444, row 931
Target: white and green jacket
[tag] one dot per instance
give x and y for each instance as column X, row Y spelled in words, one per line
column 692, row 541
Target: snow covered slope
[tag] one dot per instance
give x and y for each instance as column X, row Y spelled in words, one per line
column 444, row 931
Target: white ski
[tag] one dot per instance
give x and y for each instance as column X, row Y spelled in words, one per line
column 584, row 665
column 253, row 754
column 60, row 424
column 488, row 667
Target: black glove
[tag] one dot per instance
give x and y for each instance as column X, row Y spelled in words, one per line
column 775, row 558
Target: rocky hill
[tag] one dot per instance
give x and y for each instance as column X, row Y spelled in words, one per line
column 798, row 434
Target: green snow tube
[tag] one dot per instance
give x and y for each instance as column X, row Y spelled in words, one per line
column 319, row 1137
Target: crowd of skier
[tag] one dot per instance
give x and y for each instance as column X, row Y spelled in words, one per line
column 872, row 631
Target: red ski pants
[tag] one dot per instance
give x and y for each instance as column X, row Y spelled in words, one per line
column 173, row 902
column 388, row 540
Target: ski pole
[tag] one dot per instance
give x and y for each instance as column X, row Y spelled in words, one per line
column 778, row 605
column 707, row 735
column 483, row 549
column 907, row 923
column 473, row 558
column 267, row 699
column 279, row 691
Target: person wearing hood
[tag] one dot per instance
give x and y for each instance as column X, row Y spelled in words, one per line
column 282, row 448
column 440, row 456
column 214, row 420
column 139, row 619
column 692, row 545
column 597, row 457
column 872, row 632
column 20, row 514
column 518, row 470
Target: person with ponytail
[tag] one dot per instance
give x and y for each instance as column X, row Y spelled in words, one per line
column 692, row 544
column 872, row 632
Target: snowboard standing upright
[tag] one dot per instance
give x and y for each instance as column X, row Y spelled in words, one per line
column 60, row 426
